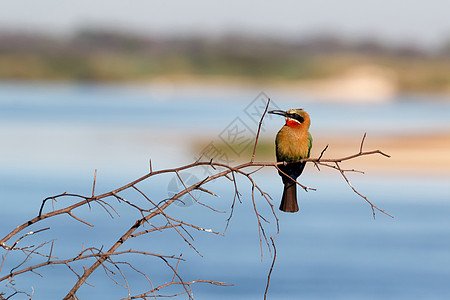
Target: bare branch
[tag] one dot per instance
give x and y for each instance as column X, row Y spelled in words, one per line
column 259, row 128
column 362, row 143
column 93, row 185
column 271, row 267
column 78, row 219
column 362, row 196
column 154, row 213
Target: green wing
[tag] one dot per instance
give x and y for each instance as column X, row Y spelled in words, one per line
column 310, row 144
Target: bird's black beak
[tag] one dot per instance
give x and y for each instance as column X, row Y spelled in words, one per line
column 278, row 112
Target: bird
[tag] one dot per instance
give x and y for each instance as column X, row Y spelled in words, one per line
column 293, row 142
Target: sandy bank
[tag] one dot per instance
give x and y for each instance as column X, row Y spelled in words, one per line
column 417, row 155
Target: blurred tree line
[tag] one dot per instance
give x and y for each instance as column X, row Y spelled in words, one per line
column 102, row 55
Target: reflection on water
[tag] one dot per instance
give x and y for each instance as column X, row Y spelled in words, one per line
column 53, row 137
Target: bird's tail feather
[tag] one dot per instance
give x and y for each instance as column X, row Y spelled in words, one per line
column 289, row 199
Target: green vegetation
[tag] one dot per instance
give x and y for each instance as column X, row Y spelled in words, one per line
column 107, row 56
column 265, row 150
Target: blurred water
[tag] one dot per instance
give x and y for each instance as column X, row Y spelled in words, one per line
column 331, row 249
column 128, row 105
column 54, row 136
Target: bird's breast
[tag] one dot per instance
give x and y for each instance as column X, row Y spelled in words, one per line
column 292, row 143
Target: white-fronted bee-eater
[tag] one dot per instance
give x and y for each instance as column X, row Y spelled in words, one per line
column 293, row 143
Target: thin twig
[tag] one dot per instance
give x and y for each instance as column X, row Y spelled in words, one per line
column 361, row 195
column 362, row 143
column 93, row 185
column 259, row 129
column 185, row 229
column 271, row 267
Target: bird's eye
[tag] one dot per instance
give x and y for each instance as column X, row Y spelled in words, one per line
column 295, row 117
column 298, row 118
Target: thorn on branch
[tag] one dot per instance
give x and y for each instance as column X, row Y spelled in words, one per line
column 211, row 164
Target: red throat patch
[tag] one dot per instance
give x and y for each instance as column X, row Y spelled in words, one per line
column 292, row 123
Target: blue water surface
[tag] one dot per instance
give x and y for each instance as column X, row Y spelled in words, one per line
column 130, row 105
column 332, row 249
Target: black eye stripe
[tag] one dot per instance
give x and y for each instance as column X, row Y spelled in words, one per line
column 296, row 117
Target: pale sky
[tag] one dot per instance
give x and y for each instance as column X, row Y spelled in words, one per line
column 422, row 22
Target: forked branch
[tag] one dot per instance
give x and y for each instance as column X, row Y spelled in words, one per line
column 154, row 214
